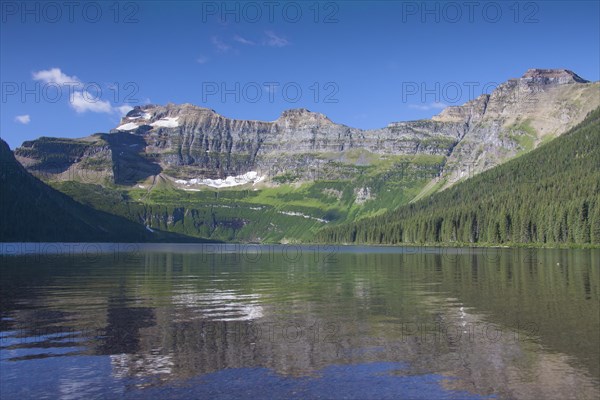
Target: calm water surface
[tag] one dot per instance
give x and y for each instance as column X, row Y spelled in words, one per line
column 208, row 321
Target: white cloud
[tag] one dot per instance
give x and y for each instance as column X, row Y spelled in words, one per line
column 84, row 101
column 274, row 40
column 431, row 106
column 23, row 119
column 202, row 60
column 220, row 45
column 55, row 75
column 123, row 110
column 81, row 101
column 242, row 40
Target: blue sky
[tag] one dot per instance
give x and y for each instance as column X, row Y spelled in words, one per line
column 363, row 64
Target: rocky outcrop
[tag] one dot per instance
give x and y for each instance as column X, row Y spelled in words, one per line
column 362, row 195
column 551, row 76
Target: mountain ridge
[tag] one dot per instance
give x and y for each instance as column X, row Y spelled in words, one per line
column 188, row 141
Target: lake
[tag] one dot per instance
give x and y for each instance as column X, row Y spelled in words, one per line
column 246, row 321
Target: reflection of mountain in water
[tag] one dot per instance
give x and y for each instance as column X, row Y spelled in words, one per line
column 220, row 305
column 123, row 324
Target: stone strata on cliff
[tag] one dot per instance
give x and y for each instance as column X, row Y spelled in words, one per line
column 190, row 142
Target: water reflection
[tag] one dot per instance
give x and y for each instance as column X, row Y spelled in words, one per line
column 481, row 322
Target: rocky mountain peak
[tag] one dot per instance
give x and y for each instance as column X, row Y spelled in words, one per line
column 167, row 116
column 551, row 76
column 297, row 114
column 511, row 98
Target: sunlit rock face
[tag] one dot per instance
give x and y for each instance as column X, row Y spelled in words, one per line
column 519, row 115
column 185, row 142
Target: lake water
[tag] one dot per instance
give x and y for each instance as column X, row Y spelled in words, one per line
column 232, row 321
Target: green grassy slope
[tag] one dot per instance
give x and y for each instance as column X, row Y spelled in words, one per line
column 291, row 211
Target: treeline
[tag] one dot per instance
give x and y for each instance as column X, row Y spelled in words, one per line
column 548, row 196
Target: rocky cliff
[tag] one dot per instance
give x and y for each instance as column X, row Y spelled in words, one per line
column 516, row 117
column 190, row 145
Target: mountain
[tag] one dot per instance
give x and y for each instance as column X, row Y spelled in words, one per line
column 549, row 196
column 190, row 142
column 187, row 169
column 31, row 211
column 516, row 117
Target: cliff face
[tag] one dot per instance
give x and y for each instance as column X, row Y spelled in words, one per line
column 188, row 142
column 184, row 142
column 214, row 146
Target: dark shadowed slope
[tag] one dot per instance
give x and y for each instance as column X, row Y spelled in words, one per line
column 31, row 211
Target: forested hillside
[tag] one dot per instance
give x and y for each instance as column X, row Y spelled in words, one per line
column 548, row 196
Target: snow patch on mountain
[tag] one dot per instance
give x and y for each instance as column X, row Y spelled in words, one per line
column 230, row 181
column 167, row 122
column 127, row 127
column 297, row 214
